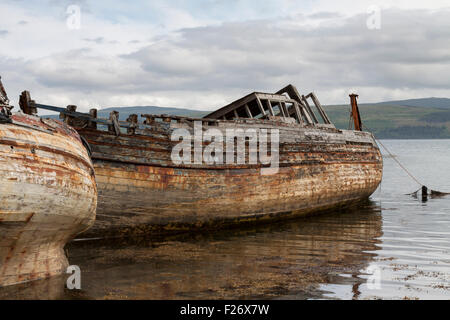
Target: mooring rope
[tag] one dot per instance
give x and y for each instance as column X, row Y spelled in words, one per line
column 394, row 157
column 433, row 192
column 399, row 163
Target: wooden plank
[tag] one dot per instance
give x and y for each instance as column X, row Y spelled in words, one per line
column 247, row 109
column 309, row 110
column 346, row 169
column 225, row 111
column 114, row 127
column 81, row 115
column 258, row 101
column 298, row 113
column 68, row 119
column 269, row 105
column 292, row 112
column 282, row 110
column 93, row 114
column 293, row 93
column 305, row 112
column 319, row 107
column 273, row 97
column 230, row 107
column 48, row 195
column 286, row 109
column 290, row 109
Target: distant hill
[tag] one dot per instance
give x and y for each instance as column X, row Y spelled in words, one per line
column 397, row 121
column 427, row 118
column 440, row 103
column 124, row 112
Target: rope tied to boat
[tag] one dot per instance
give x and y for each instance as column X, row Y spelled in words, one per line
column 423, row 187
column 398, row 162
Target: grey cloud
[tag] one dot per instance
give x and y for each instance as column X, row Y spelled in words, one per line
column 98, row 40
column 63, row 4
column 83, row 71
column 22, row 22
column 343, row 53
column 325, row 15
column 411, row 50
column 3, row 33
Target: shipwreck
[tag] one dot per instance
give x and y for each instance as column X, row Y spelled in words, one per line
column 47, row 193
column 284, row 159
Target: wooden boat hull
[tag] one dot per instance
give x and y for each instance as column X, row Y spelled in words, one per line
column 141, row 191
column 47, row 196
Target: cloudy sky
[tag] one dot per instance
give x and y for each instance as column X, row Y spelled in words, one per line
column 204, row 54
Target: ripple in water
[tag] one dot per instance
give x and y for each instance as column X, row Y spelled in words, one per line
column 392, row 247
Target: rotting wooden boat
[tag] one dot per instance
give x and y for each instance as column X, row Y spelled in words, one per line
column 143, row 189
column 47, row 194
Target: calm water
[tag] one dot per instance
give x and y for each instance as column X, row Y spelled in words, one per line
column 393, row 247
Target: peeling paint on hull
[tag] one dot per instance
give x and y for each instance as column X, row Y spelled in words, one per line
column 47, row 196
column 141, row 191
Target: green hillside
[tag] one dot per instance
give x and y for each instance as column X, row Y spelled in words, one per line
column 406, row 119
column 397, row 121
column 442, row 103
column 124, row 112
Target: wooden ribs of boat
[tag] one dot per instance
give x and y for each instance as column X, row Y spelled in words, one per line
column 47, row 195
column 141, row 190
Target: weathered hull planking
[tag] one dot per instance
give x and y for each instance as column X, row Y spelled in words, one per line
column 142, row 191
column 47, row 196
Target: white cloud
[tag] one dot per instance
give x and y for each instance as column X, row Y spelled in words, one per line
column 186, row 59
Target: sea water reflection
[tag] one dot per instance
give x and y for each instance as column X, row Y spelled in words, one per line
column 393, row 246
column 286, row 260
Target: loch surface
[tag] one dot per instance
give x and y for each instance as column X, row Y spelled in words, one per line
column 392, row 247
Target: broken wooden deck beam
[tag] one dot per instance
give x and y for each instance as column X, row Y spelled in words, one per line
column 93, row 114
column 255, row 106
column 309, row 110
column 247, row 110
column 26, row 104
column 269, row 106
column 323, row 114
column 263, row 112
